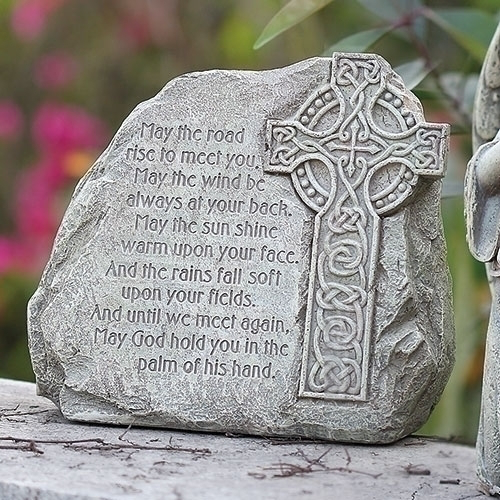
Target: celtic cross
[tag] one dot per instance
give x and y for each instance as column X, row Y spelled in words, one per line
column 355, row 151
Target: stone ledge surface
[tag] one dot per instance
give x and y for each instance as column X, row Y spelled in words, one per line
column 44, row 456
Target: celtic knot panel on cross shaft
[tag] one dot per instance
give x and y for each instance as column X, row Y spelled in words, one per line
column 355, row 151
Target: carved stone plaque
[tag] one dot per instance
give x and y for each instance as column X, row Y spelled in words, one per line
column 256, row 253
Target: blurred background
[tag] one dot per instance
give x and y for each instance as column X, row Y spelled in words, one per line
column 72, row 70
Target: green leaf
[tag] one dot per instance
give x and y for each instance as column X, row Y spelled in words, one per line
column 470, row 28
column 413, row 72
column 236, row 36
column 462, row 89
column 424, row 94
column 291, row 14
column 399, row 13
column 359, row 42
column 391, row 11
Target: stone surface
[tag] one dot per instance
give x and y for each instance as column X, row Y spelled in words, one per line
column 43, row 456
column 256, row 252
column 486, row 114
column 482, row 210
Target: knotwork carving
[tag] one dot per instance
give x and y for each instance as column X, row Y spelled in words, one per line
column 355, row 151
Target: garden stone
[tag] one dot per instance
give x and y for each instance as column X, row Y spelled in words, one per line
column 256, row 252
column 482, row 210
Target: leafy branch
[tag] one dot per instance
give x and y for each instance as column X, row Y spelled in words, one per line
column 409, row 20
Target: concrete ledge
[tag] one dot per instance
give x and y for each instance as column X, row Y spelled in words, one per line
column 45, row 457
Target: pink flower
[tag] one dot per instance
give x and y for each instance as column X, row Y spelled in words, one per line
column 67, row 137
column 38, row 210
column 10, row 253
column 26, row 255
column 55, row 70
column 36, row 192
column 135, row 30
column 59, row 128
column 11, row 120
column 29, row 17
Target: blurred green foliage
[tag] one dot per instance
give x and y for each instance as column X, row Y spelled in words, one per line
column 73, row 70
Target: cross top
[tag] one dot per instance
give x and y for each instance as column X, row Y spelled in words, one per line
column 355, row 151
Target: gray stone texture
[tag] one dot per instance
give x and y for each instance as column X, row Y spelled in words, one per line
column 482, row 210
column 256, row 252
column 486, row 119
column 44, row 457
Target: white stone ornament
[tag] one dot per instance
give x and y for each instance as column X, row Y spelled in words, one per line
column 256, row 252
column 482, row 211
